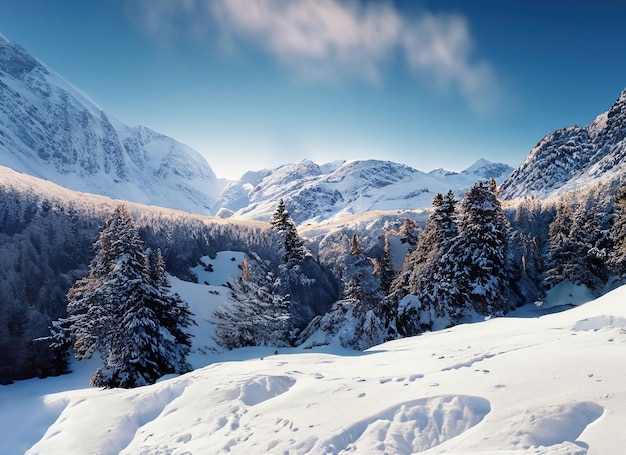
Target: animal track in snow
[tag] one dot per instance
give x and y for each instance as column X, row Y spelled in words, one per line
column 468, row 363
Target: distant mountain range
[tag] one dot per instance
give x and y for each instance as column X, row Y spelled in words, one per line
column 49, row 129
column 316, row 193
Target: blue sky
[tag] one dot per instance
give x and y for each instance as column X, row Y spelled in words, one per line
column 253, row 84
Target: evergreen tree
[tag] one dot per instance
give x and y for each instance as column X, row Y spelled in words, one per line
column 437, row 281
column 425, row 272
column 175, row 317
column 122, row 311
column 578, row 248
column 294, row 248
column 295, row 251
column 360, row 283
column 280, row 217
column 480, row 252
column 561, row 248
column 383, row 267
column 617, row 235
column 361, row 319
column 259, row 314
column 525, row 261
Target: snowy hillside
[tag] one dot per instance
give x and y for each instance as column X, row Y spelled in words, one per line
column 573, row 157
column 527, row 384
column 49, row 129
column 315, row 193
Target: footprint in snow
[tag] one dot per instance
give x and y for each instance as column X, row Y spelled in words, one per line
column 184, row 438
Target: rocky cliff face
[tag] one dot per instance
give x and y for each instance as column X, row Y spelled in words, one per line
column 573, row 157
column 51, row 130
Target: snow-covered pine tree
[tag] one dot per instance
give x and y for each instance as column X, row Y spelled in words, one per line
column 435, row 281
column 525, row 261
column 118, row 309
column 280, row 217
column 561, row 248
column 422, row 270
column 281, row 222
column 259, row 314
column 359, row 320
column 480, row 251
column 360, row 283
column 596, row 245
column 383, row 268
column 617, row 234
column 526, row 267
column 174, row 317
column 295, row 251
column 578, row 248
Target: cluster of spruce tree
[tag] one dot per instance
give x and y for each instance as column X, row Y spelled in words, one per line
column 470, row 259
column 271, row 302
column 124, row 311
column 458, row 264
column 357, row 318
column 455, row 268
column 587, row 242
column 45, row 245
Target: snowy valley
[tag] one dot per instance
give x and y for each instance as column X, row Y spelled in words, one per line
column 349, row 307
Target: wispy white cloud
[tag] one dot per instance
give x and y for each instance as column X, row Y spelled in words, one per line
column 334, row 39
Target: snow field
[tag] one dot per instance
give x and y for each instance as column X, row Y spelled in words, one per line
column 554, row 384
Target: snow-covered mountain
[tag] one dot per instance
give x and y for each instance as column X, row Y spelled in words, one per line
column 315, row 192
column 573, row 157
column 51, row 130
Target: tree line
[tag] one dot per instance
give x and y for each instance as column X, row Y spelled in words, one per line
column 469, row 258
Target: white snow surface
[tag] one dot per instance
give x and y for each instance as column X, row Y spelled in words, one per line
column 524, row 384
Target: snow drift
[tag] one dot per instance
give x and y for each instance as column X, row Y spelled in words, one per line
column 527, row 384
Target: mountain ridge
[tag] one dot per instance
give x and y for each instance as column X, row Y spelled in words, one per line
column 316, row 193
column 52, row 130
column 573, row 157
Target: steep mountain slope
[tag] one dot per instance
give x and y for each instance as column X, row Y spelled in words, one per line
column 51, row 130
column 315, row 193
column 573, row 157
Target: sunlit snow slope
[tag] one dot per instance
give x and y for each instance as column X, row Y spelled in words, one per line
column 554, row 384
column 49, row 129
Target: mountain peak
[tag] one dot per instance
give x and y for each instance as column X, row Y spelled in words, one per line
column 488, row 169
column 619, row 106
column 15, row 61
column 478, row 165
